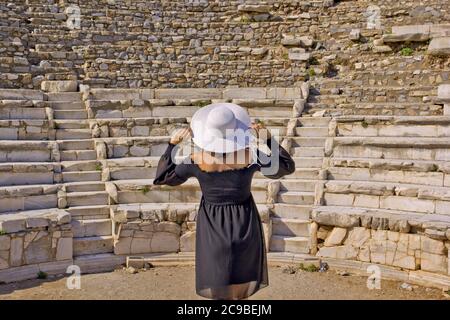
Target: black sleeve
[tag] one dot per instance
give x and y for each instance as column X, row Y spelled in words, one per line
column 275, row 168
column 170, row 173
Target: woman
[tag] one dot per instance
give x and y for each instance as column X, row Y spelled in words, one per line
column 230, row 250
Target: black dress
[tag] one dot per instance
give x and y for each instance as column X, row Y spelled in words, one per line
column 230, row 254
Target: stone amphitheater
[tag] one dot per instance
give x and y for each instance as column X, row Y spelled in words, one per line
column 359, row 90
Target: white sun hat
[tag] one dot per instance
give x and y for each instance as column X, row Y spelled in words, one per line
column 221, row 128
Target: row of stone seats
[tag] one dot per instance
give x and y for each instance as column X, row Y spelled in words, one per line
column 388, row 181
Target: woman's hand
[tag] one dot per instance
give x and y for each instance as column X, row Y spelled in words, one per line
column 180, row 135
column 261, row 130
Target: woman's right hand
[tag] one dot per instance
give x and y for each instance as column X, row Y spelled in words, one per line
column 179, row 135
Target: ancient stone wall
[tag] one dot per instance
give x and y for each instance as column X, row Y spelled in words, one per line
column 196, row 43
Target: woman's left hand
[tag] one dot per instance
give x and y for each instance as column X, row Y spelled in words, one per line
column 261, row 130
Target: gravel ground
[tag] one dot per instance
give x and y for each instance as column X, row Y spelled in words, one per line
column 178, row 283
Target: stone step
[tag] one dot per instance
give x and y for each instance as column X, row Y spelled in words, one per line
column 84, row 186
column 87, row 198
column 71, row 124
column 78, row 155
column 393, row 141
column 91, row 228
column 308, row 162
column 88, row 165
column 297, row 185
column 290, row 227
column 17, row 112
column 120, row 173
column 90, row 212
column 39, row 173
column 92, row 245
column 313, row 121
column 73, row 134
column 369, row 108
column 66, row 105
column 308, row 151
column 311, row 131
column 292, row 211
column 307, row 142
column 70, row 114
column 21, row 94
column 76, row 144
column 305, row 173
column 289, row 244
column 78, row 176
column 23, row 198
column 296, row 197
column 64, row 96
column 102, row 262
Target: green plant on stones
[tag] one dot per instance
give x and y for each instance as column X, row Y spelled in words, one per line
column 245, row 19
column 285, row 56
column 98, row 167
column 313, row 61
column 406, row 51
column 364, row 124
column 201, row 103
column 2, row 232
column 145, row 189
column 42, row 275
column 311, row 72
column 308, row 268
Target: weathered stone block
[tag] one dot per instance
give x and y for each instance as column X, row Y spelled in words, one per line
column 191, row 93
column 298, row 54
column 5, row 242
column 39, row 250
column 340, row 252
column 12, row 225
column 245, row 93
column 59, row 86
column 122, row 245
column 433, row 262
column 408, row 33
column 64, row 250
column 259, row 8
column 444, row 92
column 432, row 246
column 4, row 258
column 335, row 237
column 357, row 237
column 284, row 93
column 140, row 245
column 407, row 204
column 16, row 252
column 187, row 242
column 439, row 46
column 165, row 242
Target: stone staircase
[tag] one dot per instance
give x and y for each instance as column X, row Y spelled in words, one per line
column 291, row 219
column 85, row 194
